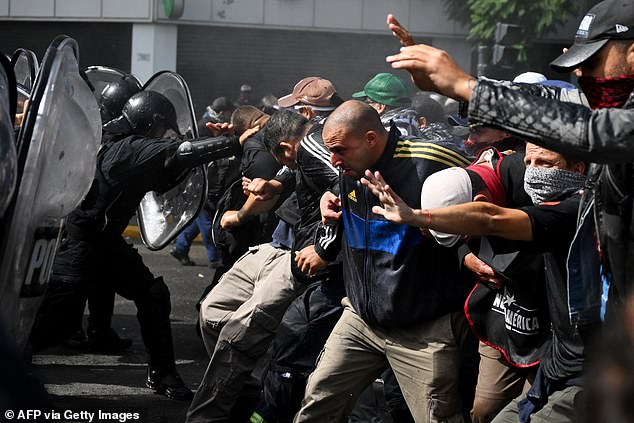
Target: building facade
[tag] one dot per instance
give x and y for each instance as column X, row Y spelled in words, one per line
column 217, row 45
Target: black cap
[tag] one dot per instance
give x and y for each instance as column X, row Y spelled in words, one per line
column 608, row 20
column 456, row 120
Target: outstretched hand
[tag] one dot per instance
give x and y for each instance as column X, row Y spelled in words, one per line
column 399, row 31
column 218, row 129
column 392, row 207
column 432, row 69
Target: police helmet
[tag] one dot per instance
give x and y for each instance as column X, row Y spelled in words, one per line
column 114, row 96
column 150, row 113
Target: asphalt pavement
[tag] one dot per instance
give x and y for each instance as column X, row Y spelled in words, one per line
column 83, row 383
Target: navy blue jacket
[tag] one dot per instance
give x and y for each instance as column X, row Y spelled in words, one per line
column 394, row 276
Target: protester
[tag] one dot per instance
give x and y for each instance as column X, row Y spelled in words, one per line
column 509, row 349
column 312, row 97
column 268, row 104
column 220, row 110
column 388, row 324
column 387, row 94
column 603, row 54
column 428, row 111
column 256, row 162
column 553, row 182
column 240, row 315
column 245, row 96
column 230, row 236
column 300, row 338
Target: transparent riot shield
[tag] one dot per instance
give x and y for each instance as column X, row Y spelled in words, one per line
column 25, row 67
column 100, row 76
column 8, row 159
column 162, row 216
column 58, row 144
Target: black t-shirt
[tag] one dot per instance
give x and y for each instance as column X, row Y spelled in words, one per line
column 512, row 176
column 256, row 161
column 554, row 226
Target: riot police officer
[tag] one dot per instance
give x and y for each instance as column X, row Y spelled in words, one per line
column 99, row 336
column 137, row 158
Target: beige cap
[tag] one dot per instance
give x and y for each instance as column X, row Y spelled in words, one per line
column 314, row 91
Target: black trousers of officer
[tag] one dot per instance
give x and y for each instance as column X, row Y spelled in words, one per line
column 108, row 263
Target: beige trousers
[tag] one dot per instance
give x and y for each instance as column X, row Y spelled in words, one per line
column 239, row 319
column 425, row 358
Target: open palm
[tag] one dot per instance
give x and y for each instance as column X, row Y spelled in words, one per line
column 393, row 208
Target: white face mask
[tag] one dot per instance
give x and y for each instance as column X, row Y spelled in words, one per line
column 546, row 183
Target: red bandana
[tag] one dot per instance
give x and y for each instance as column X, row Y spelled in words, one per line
column 607, row 92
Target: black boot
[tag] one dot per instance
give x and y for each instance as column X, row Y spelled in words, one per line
column 168, row 383
column 106, row 341
column 78, row 341
column 182, row 257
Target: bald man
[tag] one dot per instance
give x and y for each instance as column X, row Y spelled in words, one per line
column 404, row 292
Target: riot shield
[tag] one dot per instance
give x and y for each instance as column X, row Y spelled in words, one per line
column 25, row 67
column 8, row 159
column 162, row 216
column 100, row 76
column 58, row 144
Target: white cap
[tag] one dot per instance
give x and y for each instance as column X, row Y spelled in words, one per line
column 446, row 188
column 530, row 78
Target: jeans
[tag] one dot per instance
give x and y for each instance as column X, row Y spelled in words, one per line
column 202, row 225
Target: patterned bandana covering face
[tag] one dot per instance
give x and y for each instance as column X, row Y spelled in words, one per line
column 544, row 184
column 607, row 92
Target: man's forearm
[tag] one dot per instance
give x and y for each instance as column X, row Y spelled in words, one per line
column 253, row 207
column 477, row 218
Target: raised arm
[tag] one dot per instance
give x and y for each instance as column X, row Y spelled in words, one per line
column 477, row 218
column 599, row 136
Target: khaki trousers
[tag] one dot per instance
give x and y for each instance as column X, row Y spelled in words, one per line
column 560, row 408
column 498, row 384
column 424, row 357
column 239, row 319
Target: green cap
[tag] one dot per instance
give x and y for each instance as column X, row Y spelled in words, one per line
column 385, row 88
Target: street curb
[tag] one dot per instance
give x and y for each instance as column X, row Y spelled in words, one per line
column 133, row 231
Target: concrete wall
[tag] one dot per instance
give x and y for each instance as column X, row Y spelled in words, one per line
column 423, row 17
column 219, row 44
column 85, row 10
column 216, row 61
